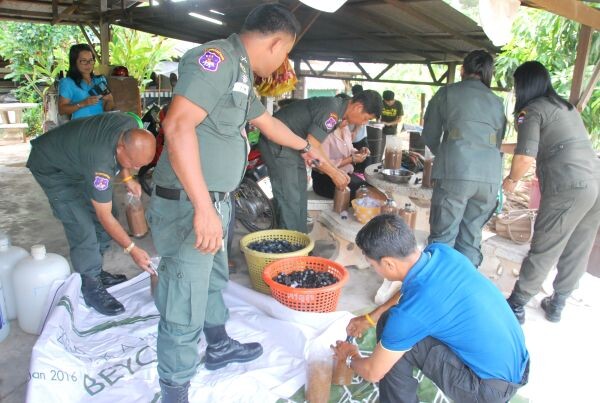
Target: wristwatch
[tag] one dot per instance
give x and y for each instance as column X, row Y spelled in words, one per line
column 307, row 148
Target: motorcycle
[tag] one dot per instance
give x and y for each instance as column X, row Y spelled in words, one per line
column 253, row 199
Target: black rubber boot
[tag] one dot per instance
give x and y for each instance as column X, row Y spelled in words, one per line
column 223, row 350
column 517, row 305
column 553, row 306
column 96, row 296
column 109, row 279
column 173, row 393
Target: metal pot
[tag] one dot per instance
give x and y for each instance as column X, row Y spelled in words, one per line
column 397, row 175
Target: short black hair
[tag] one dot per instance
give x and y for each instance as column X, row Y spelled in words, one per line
column 479, row 63
column 371, row 102
column 532, row 81
column 388, row 95
column 356, row 88
column 342, row 95
column 271, row 18
column 386, row 235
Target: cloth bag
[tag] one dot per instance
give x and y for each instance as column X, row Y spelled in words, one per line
column 516, row 225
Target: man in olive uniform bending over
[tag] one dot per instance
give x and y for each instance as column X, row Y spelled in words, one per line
column 76, row 165
column 312, row 119
column 189, row 208
column 464, row 127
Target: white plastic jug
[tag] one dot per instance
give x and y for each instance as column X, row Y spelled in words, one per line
column 9, row 257
column 4, row 324
column 32, row 279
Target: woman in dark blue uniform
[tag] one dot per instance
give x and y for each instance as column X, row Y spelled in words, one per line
column 551, row 132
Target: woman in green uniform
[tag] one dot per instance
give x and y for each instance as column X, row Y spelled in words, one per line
column 550, row 131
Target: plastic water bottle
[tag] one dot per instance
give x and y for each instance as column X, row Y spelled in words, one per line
column 32, row 278
column 4, row 324
column 9, row 257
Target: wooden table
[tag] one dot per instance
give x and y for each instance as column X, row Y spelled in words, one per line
column 16, row 125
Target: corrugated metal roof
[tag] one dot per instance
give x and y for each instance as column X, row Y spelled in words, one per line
column 384, row 31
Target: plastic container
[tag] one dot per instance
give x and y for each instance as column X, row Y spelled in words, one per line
column 136, row 219
column 389, row 207
column 341, row 199
column 393, row 153
column 32, row 278
column 363, row 191
column 4, row 323
column 9, row 257
column 256, row 261
column 409, row 215
column 324, row 299
column 318, row 375
column 364, row 213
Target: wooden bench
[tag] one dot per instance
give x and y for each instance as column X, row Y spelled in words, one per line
column 14, row 126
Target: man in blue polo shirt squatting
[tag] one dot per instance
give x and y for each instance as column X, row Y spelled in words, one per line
column 448, row 320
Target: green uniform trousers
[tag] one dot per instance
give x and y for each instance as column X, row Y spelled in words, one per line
column 287, row 171
column 87, row 238
column 565, row 230
column 190, row 283
column 459, row 210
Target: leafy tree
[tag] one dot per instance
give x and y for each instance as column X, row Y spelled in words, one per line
column 551, row 40
column 139, row 52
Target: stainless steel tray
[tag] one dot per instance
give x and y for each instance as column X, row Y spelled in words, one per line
column 397, row 175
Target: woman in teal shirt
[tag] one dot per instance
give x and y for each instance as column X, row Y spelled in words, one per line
column 80, row 91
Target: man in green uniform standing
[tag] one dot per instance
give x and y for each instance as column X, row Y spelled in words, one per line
column 76, row 165
column 392, row 113
column 189, row 208
column 464, row 127
column 312, row 119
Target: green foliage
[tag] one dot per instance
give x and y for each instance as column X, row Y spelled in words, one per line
column 551, row 40
column 33, row 118
column 37, row 53
column 139, row 52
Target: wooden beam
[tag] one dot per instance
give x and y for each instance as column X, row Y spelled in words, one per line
column 363, row 70
column 89, row 41
column 67, row 11
column 571, row 9
column 385, row 70
column 589, row 88
column 306, row 26
column 583, row 49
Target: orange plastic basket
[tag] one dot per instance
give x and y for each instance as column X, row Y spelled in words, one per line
column 324, row 299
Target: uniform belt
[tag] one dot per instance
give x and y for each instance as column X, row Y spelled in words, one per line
column 179, row 194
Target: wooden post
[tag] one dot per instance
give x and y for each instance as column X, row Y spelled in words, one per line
column 451, row 72
column 104, row 36
column 583, row 47
column 422, row 113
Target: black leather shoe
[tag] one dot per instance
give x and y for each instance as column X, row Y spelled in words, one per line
column 553, row 306
column 96, row 296
column 173, row 393
column 223, row 350
column 109, row 279
column 517, row 305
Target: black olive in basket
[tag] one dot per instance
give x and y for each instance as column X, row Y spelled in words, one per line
column 307, row 278
column 274, row 246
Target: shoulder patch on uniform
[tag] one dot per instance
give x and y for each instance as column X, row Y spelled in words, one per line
column 331, row 121
column 210, row 59
column 521, row 117
column 101, row 181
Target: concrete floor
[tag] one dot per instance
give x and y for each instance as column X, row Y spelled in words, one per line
column 564, row 356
